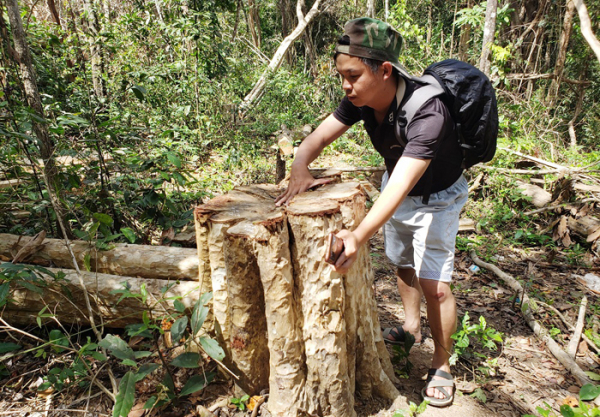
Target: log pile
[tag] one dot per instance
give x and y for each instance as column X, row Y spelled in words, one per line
column 154, row 267
column 286, row 320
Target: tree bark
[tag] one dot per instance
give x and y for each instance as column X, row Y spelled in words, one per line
column 159, row 262
column 28, row 78
column 97, row 57
column 371, row 8
column 268, row 276
column 64, row 299
column 254, row 23
column 586, row 27
column 54, row 12
column 563, row 43
column 258, row 90
column 488, row 36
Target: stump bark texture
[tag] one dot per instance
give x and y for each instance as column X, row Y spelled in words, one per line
column 286, row 320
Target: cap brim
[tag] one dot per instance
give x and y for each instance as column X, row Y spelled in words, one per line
column 362, row 52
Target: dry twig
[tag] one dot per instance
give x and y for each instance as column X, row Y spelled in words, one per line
column 574, row 342
column 527, row 306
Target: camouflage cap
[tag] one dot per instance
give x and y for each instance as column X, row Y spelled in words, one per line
column 373, row 39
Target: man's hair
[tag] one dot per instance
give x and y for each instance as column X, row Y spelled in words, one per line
column 372, row 64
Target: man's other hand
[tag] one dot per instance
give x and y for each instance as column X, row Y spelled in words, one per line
column 300, row 181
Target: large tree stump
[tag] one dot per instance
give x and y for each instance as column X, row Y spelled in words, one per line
column 275, row 298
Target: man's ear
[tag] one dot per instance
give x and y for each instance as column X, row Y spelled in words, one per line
column 388, row 70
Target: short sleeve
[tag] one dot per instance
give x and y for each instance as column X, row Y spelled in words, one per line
column 347, row 113
column 426, row 131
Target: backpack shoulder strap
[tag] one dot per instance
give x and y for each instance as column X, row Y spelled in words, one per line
column 432, row 88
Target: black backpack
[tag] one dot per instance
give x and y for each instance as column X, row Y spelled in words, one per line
column 471, row 100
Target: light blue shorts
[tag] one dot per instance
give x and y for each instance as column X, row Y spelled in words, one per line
column 422, row 237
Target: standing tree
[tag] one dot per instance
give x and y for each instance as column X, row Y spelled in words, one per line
column 586, row 28
column 28, row 78
column 563, row 42
column 489, row 30
column 97, row 58
column 303, row 20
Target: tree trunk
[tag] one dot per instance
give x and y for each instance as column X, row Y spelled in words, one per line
column 258, row 90
column 371, row 8
column 268, row 276
column 54, row 12
column 97, row 58
column 160, row 262
column 488, row 36
column 32, row 94
column 563, row 43
column 64, row 299
column 586, row 27
column 254, row 23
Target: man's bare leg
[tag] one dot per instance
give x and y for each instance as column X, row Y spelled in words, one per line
column 441, row 315
column 410, row 292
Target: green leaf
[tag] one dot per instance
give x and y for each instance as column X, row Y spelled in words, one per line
column 129, row 234
column 59, row 340
column 480, row 395
column 103, row 218
column 205, row 298
column 150, row 403
column 187, row 360
column 9, row 347
column 125, row 396
column 567, row 411
column 196, row 383
column 593, row 376
column 168, row 382
column 142, row 354
column 4, row 291
column 198, row 316
column 146, row 370
column 212, row 348
column 179, row 306
column 178, row 329
column 139, row 91
column 589, row 392
column 174, row 159
column 117, row 346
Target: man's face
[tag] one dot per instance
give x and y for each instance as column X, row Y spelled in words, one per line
column 361, row 85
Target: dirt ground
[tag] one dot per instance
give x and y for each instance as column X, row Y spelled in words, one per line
column 527, row 375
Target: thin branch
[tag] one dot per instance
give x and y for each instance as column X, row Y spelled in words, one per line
column 574, row 342
column 527, row 307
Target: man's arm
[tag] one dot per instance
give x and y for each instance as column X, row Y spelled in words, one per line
column 406, row 174
column 310, row 148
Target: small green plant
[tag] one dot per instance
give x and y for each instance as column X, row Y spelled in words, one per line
column 413, row 410
column 400, row 359
column 588, row 392
column 240, row 403
column 184, row 330
column 470, row 337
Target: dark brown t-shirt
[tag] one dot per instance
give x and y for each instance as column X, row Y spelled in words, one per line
column 430, row 135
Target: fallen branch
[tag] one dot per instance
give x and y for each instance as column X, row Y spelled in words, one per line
column 527, row 306
column 560, row 168
column 574, row 342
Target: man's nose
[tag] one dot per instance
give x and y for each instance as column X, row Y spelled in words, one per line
column 346, row 86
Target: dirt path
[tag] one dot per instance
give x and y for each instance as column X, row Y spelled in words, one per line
column 526, row 376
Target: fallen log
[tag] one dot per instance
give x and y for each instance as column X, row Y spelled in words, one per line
column 64, row 299
column 527, row 309
column 11, row 183
column 159, row 262
column 268, row 277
